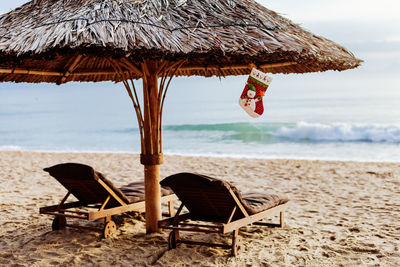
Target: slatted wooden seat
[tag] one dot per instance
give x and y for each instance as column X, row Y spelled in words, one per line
column 219, row 204
column 97, row 197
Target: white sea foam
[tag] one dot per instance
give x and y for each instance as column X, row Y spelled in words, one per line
column 341, row 132
column 11, row 148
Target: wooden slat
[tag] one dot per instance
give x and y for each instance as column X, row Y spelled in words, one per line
column 137, row 206
column 65, row 215
column 233, row 213
column 111, row 192
column 63, row 200
column 238, row 203
column 253, row 218
column 175, row 220
column 69, row 205
column 105, row 203
column 73, row 211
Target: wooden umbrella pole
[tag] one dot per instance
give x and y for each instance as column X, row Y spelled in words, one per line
column 150, row 126
column 152, row 157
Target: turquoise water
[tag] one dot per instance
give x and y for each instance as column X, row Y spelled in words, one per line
column 333, row 116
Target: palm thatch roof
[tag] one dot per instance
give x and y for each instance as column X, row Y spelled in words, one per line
column 72, row 40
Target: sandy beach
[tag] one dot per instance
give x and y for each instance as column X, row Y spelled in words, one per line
column 341, row 214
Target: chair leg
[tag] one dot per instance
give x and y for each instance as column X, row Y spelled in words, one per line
column 59, row 222
column 173, row 239
column 171, row 208
column 236, row 242
column 176, row 234
column 281, row 218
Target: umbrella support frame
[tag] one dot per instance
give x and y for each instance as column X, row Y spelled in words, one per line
column 157, row 76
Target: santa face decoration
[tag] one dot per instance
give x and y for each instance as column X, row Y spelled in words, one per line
column 253, row 93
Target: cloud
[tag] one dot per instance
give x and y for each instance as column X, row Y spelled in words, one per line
column 377, row 42
column 350, row 31
column 320, row 10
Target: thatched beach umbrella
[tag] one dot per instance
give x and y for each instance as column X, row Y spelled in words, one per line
column 59, row 41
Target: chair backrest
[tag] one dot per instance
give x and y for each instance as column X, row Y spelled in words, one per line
column 83, row 182
column 203, row 196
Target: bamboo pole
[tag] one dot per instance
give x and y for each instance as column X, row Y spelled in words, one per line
column 238, row 67
column 135, row 101
column 152, row 197
column 163, row 91
column 30, row 72
column 138, row 72
column 151, row 156
column 70, row 69
column 151, row 159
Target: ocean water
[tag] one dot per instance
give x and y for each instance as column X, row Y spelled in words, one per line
column 328, row 116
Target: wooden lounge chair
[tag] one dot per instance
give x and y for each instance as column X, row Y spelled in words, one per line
column 97, row 197
column 220, row 205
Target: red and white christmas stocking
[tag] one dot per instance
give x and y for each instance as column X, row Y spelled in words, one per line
column 251, row 99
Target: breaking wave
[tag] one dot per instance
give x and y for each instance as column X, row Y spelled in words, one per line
column 295, row 132
column 341, row 132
